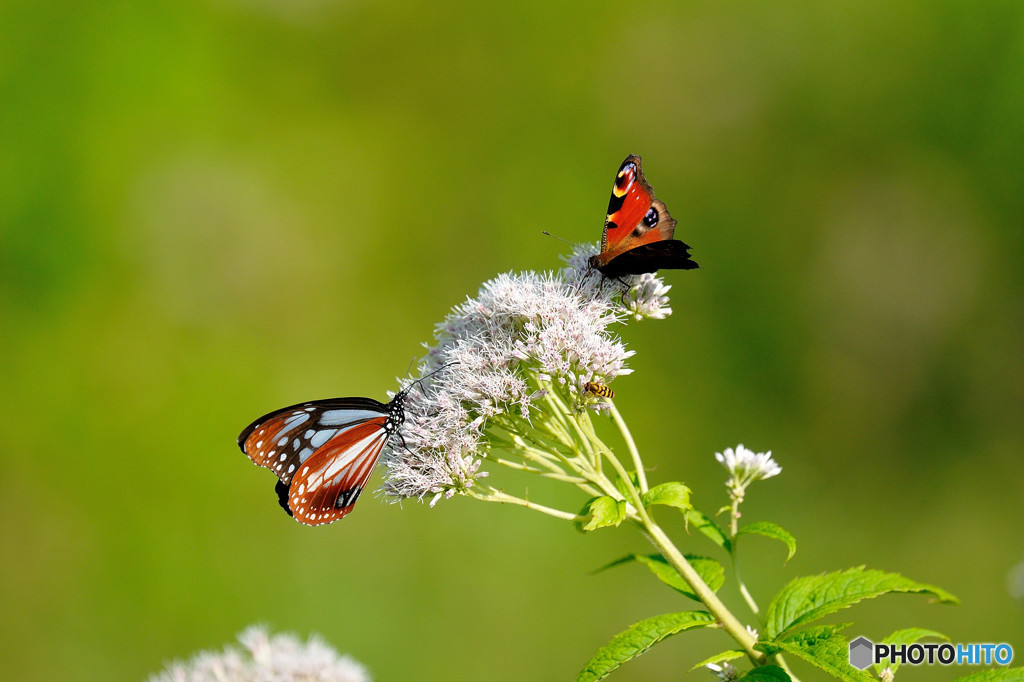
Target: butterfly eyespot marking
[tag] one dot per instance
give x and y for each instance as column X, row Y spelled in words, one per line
column 651, row 219
column 624, row 180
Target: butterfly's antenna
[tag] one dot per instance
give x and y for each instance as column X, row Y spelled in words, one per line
column 408, row 388
column 430, row 374
column 555, row 236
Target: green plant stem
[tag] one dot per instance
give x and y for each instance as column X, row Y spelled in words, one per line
column 595, row 443
column 638, row 464
column 495, row 495
column 575, row 480
column 747, row 597
column 544, row 457
column 583, row 439
column 577, row 433
column 516, row 443
column 659, row 539
column 719, row 610
column 734, row 515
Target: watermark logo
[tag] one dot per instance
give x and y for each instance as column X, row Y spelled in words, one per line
column 864, row 652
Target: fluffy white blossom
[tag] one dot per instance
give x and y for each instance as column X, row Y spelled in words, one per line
column 648, row 298
column 522, row 338
column 747, row 466
column 267, row 658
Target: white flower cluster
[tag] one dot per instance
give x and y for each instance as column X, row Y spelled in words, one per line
column 277, row 658
column 523, row 335
column 648, row 298
column 747, row 466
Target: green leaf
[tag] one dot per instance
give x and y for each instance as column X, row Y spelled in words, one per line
column 671, row 494
column 766, row 673
column 705, row 525
column 710, row 571
column 907, row 636
column 623, row 487
column 727, row 655
column 807, row 599
column 825, row 649
column 600, row 512
column 807, row 635
column 638, row 638
column 997, row 675
column 770, row 530
column 911, row 635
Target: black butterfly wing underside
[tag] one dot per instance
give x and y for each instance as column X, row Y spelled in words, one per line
column 671, row 254
column 322, row 451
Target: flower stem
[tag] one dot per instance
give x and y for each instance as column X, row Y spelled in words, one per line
column 558, row 476
column 495, row 495
column 719, row 610
column 747, row 597
column 641, row 476
column 672, row 554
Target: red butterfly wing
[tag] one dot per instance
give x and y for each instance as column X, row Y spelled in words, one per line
column 302, row 444
column 638, row 230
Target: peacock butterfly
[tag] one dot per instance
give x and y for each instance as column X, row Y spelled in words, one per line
column 638, row 231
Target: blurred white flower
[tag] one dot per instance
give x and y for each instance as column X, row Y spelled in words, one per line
column 747, row 466
column 522, row 339
column 267, row 658
column 725, row 672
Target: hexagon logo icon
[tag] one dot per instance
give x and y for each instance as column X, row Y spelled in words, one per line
column 862, row 653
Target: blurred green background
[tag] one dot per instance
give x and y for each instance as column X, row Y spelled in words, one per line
column 210, row 210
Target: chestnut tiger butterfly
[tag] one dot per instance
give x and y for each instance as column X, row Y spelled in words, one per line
column 638, row 230
column 323, row 451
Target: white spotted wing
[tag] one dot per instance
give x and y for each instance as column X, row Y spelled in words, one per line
column 322, row 451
